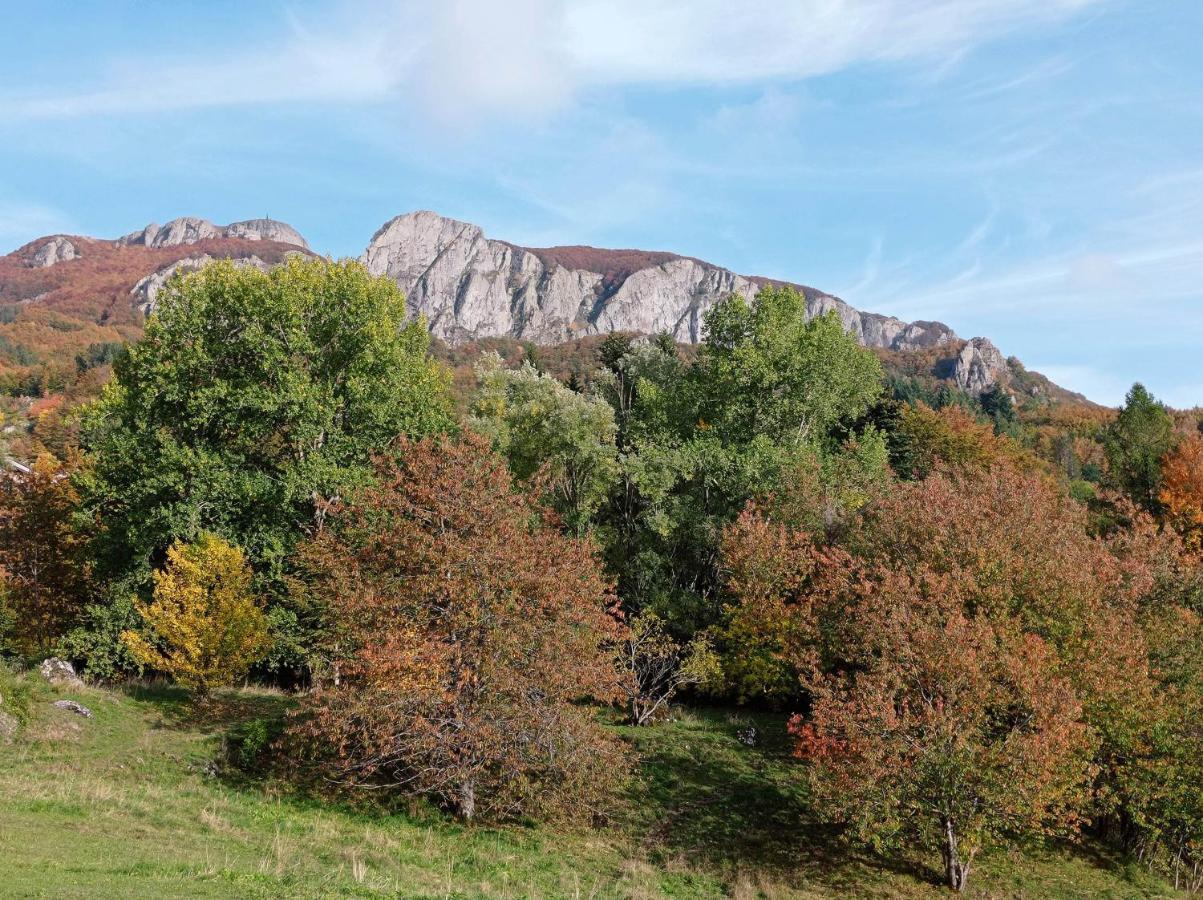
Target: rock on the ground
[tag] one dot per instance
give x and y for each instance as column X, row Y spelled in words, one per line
column 9, row 726
column 60, row 672
column 71, row 706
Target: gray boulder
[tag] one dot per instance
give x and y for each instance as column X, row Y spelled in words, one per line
column 61, row 673
column 56, row 250
column 979, row 366
column 71, row 706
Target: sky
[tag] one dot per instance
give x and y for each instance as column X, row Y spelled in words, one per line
column 1026, row 170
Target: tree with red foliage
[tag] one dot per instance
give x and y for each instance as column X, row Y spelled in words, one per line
column 474, row 629
column 951, row 731
column 968, row 649
column 42, row 561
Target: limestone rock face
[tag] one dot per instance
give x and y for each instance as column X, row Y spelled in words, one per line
column 190, row 230
column 468, row 286
column 56, row 250
column 979, row 366
column 146, row 291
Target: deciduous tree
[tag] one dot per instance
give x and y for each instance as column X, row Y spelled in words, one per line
column 473, row 629
column 206, row 629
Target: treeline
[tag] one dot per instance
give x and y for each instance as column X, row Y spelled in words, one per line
column 981, row 628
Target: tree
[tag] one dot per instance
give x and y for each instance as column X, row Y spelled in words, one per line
column 253, row 400
column 544, row 428
column 770, row 391
column 472, row 628
column 657, row 666
column 1135, row 443
column 954, row 733
column 206, row 629
column 767, row 369
column 43, row 564
column 1182, row 490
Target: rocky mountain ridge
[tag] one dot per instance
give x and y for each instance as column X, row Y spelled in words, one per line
column 468, row 286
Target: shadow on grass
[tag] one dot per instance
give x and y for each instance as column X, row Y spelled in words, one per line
column 705, row 796
column 223, row 710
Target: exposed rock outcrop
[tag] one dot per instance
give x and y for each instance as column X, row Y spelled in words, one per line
column 56, row 250
column 146, row 291
column 468, row 286
column 979, row 366
column 60, row 672
column 190, row 230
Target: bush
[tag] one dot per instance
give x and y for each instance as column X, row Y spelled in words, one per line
column 472, row 629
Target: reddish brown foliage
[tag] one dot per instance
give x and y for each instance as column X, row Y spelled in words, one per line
column 1182, row 489
column 42, row 561
column 474, row 628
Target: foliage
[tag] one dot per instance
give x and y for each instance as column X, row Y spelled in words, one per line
column 473, row 628
column 953, row 733
column 43, row 563
column 206, row 629
column 95, row 644
column 1135, row 443
column 657, row 666
column 1181, row 492
column 543, row 428
column 253, row 400
column 937, row 596
column 770, row 392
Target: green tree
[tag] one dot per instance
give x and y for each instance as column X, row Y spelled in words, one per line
column 207, row 630
column 770, row 392
column 544, row 428
column 1135, row 443
column 251, row 400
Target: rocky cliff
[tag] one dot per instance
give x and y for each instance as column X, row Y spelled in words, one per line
column 190, row 230
column 470, row 286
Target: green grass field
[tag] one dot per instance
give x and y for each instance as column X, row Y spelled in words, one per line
column 126, row 805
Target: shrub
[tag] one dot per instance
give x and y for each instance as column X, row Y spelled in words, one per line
column 207, row 629
column 473, row 629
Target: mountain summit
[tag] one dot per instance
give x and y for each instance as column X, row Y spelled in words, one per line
column 469, row 286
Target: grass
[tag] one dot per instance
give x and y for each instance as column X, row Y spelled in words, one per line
column 126, row 804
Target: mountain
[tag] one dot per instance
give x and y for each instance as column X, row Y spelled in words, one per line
column 469, row 286
column 64, row 296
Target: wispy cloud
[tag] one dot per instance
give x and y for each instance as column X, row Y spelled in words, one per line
column 466, row 58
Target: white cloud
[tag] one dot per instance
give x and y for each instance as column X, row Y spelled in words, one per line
column 462, row 59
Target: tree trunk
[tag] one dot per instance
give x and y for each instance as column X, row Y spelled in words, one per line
column 956, row 870
column 467, row 800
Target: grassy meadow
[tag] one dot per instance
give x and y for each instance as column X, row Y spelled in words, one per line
column 131, row 804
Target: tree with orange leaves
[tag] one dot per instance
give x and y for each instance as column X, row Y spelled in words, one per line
column 473, row 628
column 1182, row 490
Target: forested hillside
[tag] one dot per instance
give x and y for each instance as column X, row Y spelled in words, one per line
column 775, row 614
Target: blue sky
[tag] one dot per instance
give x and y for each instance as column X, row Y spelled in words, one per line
column 1027, row 170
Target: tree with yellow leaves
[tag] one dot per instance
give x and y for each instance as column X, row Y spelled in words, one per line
column 209, row 629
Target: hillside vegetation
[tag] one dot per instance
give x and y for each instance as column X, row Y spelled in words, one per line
column 764, row 618
column 132, row 803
